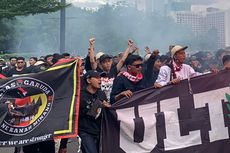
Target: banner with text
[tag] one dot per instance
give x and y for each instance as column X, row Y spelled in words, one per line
column 40, row 106
column 191, row 117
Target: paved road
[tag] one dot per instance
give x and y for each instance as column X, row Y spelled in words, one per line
column 72, row 147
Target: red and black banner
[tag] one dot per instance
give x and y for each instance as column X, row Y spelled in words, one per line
column 40, row 106
column 191, row 117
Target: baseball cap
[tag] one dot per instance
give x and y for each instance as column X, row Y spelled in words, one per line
column 104, row 56
column 94, row 73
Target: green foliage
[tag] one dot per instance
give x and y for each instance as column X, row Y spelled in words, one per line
column 12, row 8
column 10, row 33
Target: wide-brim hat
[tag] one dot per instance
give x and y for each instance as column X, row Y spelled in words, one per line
column 176, row 49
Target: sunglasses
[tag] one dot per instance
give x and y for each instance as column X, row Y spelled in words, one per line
column 138, row 65
column 20, row 62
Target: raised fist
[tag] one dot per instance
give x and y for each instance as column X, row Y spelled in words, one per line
column 130, row 42
column 91, row 41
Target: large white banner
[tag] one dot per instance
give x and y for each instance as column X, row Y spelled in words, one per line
column 191, row 117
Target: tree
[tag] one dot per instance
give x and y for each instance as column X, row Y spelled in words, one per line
column 12, row 8
column 9, row 9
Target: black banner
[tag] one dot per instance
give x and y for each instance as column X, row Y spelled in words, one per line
column 191, row 117
column 40, row 106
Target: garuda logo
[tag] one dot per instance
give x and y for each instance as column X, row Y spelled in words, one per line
column 29, row 102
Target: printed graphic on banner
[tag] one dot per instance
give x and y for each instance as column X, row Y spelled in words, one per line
column 27, row 112
column 35, row 105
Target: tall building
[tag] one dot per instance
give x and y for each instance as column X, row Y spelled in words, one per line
column 215, row 19
column 211, row 20
column 192, row 19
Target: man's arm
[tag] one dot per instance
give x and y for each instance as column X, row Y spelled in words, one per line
column 127, row 94
column 91, row 53
column 125, row 55
column 118, row 90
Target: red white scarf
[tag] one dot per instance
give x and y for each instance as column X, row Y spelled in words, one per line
column 132, row 78
column 176, row 67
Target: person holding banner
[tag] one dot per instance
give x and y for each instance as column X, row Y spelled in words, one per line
column 92, row 101
column 128, row 82
column 176, row 70
column 226, row 62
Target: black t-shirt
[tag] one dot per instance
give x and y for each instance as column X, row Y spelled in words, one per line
column 107, row 81
column 13, row 72
column 121, row 83
column 87, row 121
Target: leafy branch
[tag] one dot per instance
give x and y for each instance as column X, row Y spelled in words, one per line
column 12, row 8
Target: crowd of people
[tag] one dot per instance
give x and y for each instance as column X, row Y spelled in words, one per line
column 106, row 79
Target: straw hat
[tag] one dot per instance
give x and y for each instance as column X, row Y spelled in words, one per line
column 176, row 49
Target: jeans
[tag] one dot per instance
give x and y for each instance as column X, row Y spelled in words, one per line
column 89, row 142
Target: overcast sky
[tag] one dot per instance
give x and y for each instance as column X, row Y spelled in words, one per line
column 223, row 4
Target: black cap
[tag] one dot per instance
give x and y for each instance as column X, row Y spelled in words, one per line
column 104, row 56
column 94, row 73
